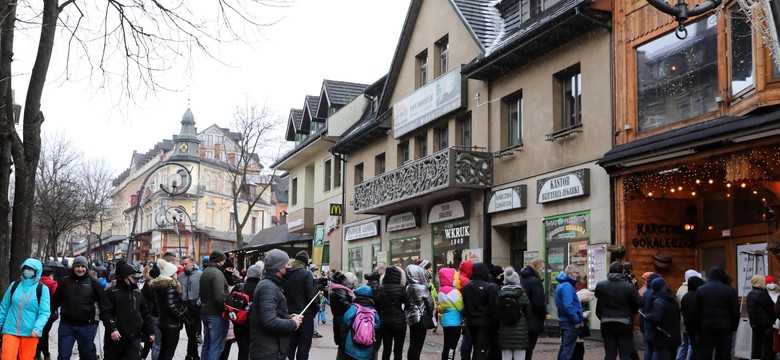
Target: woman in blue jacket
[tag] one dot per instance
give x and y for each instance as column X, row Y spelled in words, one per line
column 364, row 298
column 24, row 312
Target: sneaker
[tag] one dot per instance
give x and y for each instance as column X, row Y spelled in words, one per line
column 316, row 335
column 323, row 321
column 200, row 339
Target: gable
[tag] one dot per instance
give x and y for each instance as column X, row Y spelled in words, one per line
column 294, row 124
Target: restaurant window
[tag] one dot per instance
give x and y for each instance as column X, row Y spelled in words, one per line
column 741, row 41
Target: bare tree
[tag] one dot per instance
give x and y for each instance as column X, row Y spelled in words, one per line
column 127, row 42
column 96, row 184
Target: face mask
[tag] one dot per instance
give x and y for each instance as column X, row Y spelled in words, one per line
column 28, row 274
column 771, row 286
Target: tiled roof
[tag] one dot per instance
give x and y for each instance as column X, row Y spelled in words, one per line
column 340, row 93
column 296, row 115
column 139, row 159
column 312, row 102
column 482, row 17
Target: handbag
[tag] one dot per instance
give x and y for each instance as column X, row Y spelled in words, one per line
column 428, row 322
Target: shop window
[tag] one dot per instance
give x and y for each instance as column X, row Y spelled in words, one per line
column 464, row 130
column 715, row 209
column 748, row 205
column 671, row 72
column 375, row 249
column 422, row 69
column 404, row 251
column 741, row 41
column 568, row 96
column 450, row 242
column 355, row 264
column 327, row 176
column 326, row 253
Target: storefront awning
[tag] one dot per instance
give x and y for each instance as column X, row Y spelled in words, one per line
column 274, row 237
column 692, row 139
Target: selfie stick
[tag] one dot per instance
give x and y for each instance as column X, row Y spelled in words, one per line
column 311, row 301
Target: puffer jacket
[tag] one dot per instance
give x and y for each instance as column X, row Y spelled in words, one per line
column 479, row 298
column 167, row 295
column 760, row 309
column 341, row 296
column 125, row 310
column 418, row 293
column 531, row 281
column 270, row 322
column 391, row 296
column 647, row 308
column 569, row 307
column 464, row 273
column 665, row 316
column 450, row 299
column 618, row 300
column 23, row 313
column 718, row 302
column 514, row 336
column 363, row 296
column 76, row 297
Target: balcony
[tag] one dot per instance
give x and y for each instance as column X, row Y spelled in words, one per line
column 448, row 169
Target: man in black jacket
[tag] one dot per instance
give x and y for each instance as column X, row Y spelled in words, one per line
column 718, row 304
column 479, row 299
column 125, row 316
column 271, row 324
column 617, row 305
column 531, row 281
column 299, row 290
column 76, row 296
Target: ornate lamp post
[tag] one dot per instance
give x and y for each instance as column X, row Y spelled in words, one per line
column 175, row 216
column 681, row 12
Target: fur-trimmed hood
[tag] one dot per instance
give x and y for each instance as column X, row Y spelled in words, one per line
column 159, row 283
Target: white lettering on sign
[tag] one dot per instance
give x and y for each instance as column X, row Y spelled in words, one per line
column 361, row 231
column 446, row 211
column 507, row 199
column 564, row 186
column 401, row 221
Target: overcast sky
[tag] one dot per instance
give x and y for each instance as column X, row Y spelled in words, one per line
column 345, row 40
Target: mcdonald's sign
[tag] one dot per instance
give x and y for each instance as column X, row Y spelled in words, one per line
column 336, row 209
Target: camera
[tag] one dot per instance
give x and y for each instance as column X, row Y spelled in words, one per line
column 321, row 283
column 628, row 275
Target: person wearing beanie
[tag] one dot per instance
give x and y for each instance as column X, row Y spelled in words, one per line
column 150, row 273
column 363, row 298
column 761, row 314
column 618, row 302
column 647, row 307
column 513, row 336
column 253, row 276
column 531, row 281
column 172, row 313
column 190, row 296
column 299, row 290
column 719, row 315
column 213, row 292
column 125, row 315
column 665, row 320
column 685, row 346
column 479, row 300
column 271, row 323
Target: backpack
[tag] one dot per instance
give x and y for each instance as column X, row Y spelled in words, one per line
column 363, row 326
column 237, row 306
column 509, row 308
column 38, row 290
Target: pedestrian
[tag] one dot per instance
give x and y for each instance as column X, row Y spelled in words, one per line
column 341, row 296
column 531, row 281
column 685, row 344
column 242, row 332
column 150, row 273
column 464, row 276
column 618, row 303
column 391, row 297
column 270, row 322
column 374, row 282
column 213, row 292
column 418, row 309
column 299, row 291
column 99, row 269
column 24, row 311
column 570, row 314
column 76, row 298
column 761, row 315
column 450, row 307
column 479, row 298
column 719, row 314
column 229, row 270
column 690, row 315
column 47, row 279
column 190, row 295
column 363, row 303
column 172, row 314
column 514, row 307
column 318, row 288
column 665, row 321
column 647, row 307
column 125, row 316
column 645, row 283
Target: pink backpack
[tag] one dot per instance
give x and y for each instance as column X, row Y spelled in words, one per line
column 363, row 326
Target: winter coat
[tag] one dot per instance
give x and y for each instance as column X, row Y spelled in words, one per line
column 100, row 271
column 417, row 294
column 363, row 298
column 125, row 310
column 270, row 323
column 479, row 298
column 720, row 301
column 464, row 273
column 190, row 284
column 666, row 316
column 52, row 285
column 450, row 299
column 647, row 308
column 299, row 289
column 23, row 313
column 760, row 309
column 688, row 309
column 167, row 295
column 213, row 290
column 76, row 298
column 391, row 296
column 151, row 302
column 569, row 307
column 341, row 296
column 618, row 299
column 514, row 336
column 531, row 282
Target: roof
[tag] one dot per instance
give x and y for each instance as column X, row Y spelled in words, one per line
column 365, row 131
column 281, row 185
column 275, row 236
column 294, row 124
column 481, row 18
column 311, row 107
column 336, row 94
column 139, row 159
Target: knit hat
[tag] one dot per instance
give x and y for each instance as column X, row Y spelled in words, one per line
column 302, row 256
column 511, row 277
column 216, row 256
column 313, row 267
column 689, row 273
column 229, row 264
column 256, row 270
column 616, row 268
column 658, row 284
column 80, row 261
column 276, row 259
column 166, row 269
column 495, row 271
column 769, row 279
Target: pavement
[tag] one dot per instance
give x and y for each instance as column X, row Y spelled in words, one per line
column 324, row 348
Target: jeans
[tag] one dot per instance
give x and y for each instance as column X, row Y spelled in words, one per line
column 69, row 334
column 569, row 336
column 322, row 316
column 451, row 337
column 684, row 351
column 215, row 330
column 300, row 340
column 393, row 337
column 618, row 339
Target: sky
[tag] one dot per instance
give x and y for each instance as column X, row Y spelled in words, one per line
column 313, row 40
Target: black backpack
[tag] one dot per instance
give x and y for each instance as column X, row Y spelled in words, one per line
column 509, row 308
column 38, row 290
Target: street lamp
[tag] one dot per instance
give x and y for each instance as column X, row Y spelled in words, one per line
column 681, row 12
column 175, row 215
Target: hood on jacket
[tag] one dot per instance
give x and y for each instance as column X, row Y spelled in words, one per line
column 650, row 279
column 35, row 264
column 529, row 270
column 161, row 283
column 364, row 291
column 480, row 271
column 256, row 270
column 694, row 282
column 416, row 275
column 466, row 268
column 564, row 277
column 297, row 264
column 447, row 277
column 394, row 275
column 717, row 273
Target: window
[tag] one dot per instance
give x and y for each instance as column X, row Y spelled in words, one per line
column 671, row 72
column 464, row 127
column 741, row 41
column 254, row 224
column 379, row 164
column 403, row 153
column 232, row 221
column 337, row 173
column 422, row 69
column 359, row 173
column 569, row 87
column 294, row 195
column 326, row 185
column 535, row 7
column 442, row 137
column 443, row 47
column 209, row 154
column 514, row 121
column 422, row 145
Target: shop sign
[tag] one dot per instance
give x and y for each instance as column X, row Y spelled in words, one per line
column 508, row 199
column 567, row 227
column 661, row 236
column 295, row 224
column 564, row 186
column 336, row 209
column 447, row 211
column 402, row 221
column 361, row 231
column 429, row 103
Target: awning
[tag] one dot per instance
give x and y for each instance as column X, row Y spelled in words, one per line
column 272, row 237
